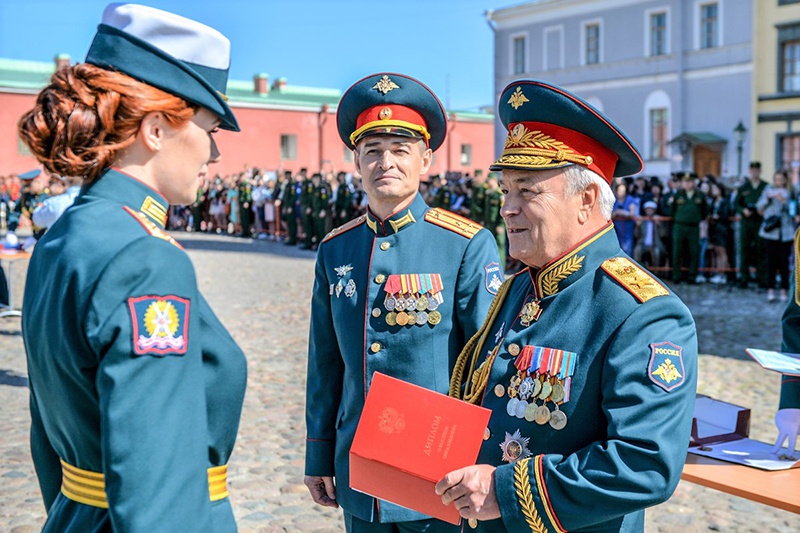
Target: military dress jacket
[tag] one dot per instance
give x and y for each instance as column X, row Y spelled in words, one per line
column 621, row 350
column 790, row 385
column 445, row 269
column 136, row 388
column 689, row 211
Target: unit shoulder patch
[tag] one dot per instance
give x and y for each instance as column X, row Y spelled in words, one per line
column 634, row 278
column 160, row 324
column 345, row 228
column 453, row 222
column 665, row 368
column 150, row 227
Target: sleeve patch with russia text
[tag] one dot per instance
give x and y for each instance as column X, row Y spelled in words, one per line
column 160, row 325
column 666, row 365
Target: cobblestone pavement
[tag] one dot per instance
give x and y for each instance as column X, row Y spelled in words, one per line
column 261, row 291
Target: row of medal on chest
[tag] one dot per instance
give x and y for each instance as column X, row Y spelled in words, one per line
column 409, row 311
column 539, row 378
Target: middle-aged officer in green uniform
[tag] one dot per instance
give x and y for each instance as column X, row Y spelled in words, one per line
column 689, row 208
column 398, row 290
column 587, row 362
column 136, row 387
column 751, row 246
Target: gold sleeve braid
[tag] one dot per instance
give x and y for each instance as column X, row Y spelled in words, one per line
column 522, row 484
column 472, row 351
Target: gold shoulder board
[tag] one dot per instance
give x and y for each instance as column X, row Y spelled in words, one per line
column 455, row 223
column 345, row 227
column 150, row 226
column 638, row 281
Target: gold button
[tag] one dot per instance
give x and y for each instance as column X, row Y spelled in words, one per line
column 486, row 434
column 589, row 160
column 376, row 312
column 513, row 349
column 380, row 278
column 499, row 390
column 385, row 113
column 375, row 347
column 385, row 245
column 473, row 523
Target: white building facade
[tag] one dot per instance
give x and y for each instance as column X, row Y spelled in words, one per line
column 674, row 75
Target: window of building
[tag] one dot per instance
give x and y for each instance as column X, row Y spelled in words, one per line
column 592, row 43
column 519, row 43
column 288, row 147
column 709, row 25
column 466, row 154
column 349, row 156
column 790, row 66
column 658, row 133
column 787, row 2
column 658, row 34
column 790, row 155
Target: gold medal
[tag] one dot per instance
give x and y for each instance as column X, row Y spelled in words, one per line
column 537, row 388
column 530, row 412
column 422, row 303
column 391, row 318
column 557, row 393
column 499, row 390
column 546, row 389
column 402, row 318
column 412, row 318
column 434, row 317
column 542, row 415
column 513, row 349
column 558, row 420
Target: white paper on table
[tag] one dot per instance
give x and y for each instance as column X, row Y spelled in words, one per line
column 746, row 452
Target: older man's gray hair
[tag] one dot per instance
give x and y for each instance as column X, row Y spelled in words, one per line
column 579, row 177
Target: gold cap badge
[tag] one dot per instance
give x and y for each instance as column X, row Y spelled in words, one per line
column 385, row 84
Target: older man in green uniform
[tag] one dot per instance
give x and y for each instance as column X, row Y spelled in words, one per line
column 689, row 208
column 586, row 361
column 398, row 290
column 751, row 247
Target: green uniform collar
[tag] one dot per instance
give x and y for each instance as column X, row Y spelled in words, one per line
column 574, row 263
column 399, row 220
column 123, row 188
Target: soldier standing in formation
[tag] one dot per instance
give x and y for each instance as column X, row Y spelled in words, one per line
column 586, row 361
column 689, row 208
column 478, row 199
column 751, row 248
column 492, row 219
column 288, row 199
column 424, row 277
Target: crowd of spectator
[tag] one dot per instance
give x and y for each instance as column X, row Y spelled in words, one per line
column 744, row 228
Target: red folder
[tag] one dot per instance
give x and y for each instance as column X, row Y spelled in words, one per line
column 408, row 438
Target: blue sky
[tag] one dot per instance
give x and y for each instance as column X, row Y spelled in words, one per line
column 447, row 44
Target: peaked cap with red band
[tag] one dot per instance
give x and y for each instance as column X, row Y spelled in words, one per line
column 391, row 104
column 549, row 127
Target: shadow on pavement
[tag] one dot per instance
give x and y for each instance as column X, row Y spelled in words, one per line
column 9, row 377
